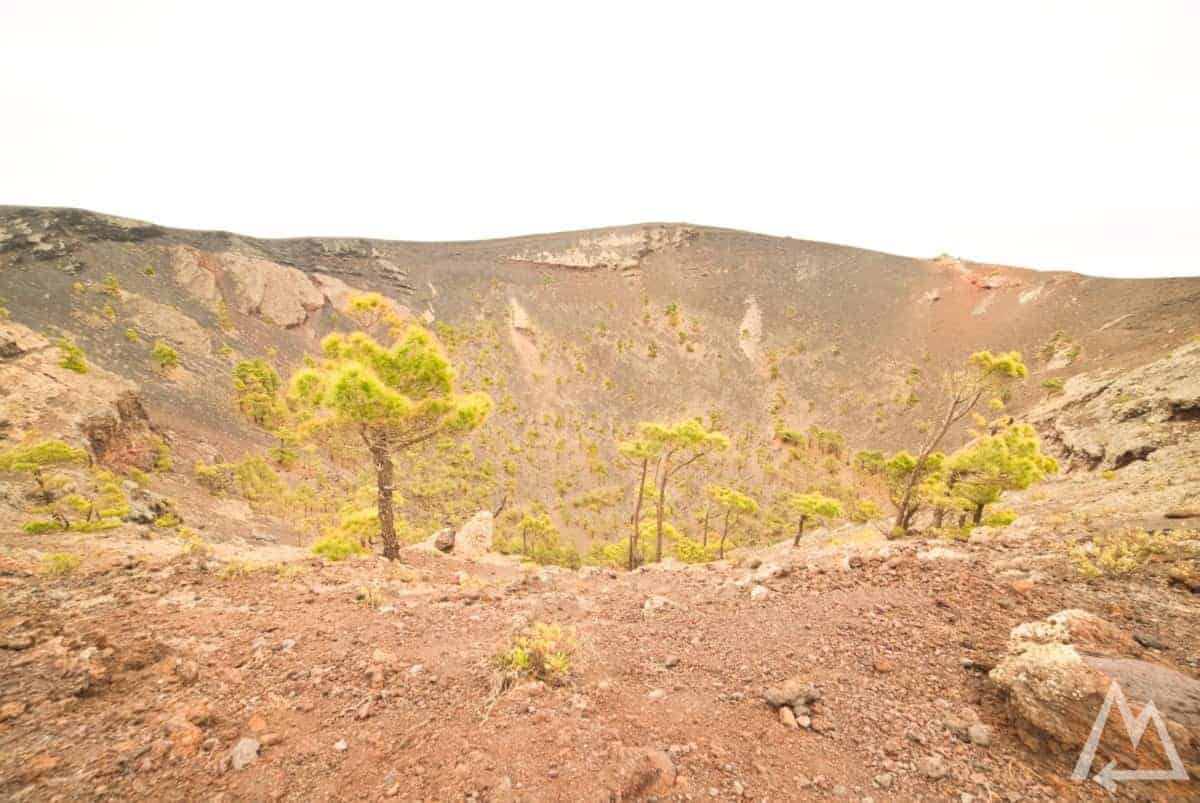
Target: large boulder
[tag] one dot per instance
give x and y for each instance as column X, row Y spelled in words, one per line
column 475, row 537
column 1057, row 674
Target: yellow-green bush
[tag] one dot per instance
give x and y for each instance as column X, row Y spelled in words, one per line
column 1000, row 518
column 42, row 526
column 1125, row 552
column 335, row 546
column 59, row 564
column 541, row 651
column 164, row 356
column 252, row 479
column 73, row 358
column 690, row 551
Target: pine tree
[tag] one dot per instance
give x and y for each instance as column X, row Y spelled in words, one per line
column 392, row 398
column 811, row 506
column 983, row 374
column 37, row 459
column 735, row 504
column 677, row 447
column 988, row 466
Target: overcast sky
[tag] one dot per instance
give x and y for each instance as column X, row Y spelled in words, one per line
column 1045, row 134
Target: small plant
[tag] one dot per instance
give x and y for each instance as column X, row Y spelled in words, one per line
column 1000, row 518
column 1123, row 552
column 73, row 358
column 108, row 312
column 162, row 456
column 369, row 596
column 132, row 335
column 59, row 564
column 1109, row 475
column 164, row 356
column 43, row 526
column 1053, row 386
column 194, row 546
column 540, row 651
column 111, row 286
column 237, row 568
column 167, row 521
column 337, row 547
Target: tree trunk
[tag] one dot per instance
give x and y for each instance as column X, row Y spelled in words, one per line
column 524, row 540
column 637, row 513
column 978, row 513
column 939, row 514
column 707, row 511
column 724, row 535
column 384, row 474
column 41, row 483
column 662, row 502
column 962, row 519
column 799, row 531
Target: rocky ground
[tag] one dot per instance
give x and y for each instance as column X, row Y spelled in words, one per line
column 151, row 674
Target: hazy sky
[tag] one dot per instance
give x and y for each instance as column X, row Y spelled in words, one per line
column 1046, row 134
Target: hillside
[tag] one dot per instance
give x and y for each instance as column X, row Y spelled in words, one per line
column 188, row 645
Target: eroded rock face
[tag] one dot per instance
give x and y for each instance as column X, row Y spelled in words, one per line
column 278, row 293
column 156, row 320
column 121, row 436
column 1112, row 420
column 1057, row 673
column 614, row 249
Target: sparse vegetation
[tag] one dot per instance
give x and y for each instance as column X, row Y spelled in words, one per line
column 72, row 356
column 59, row 564
column 542, row 651
column 164, row 356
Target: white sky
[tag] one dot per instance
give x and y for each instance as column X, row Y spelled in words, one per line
column 1045, row 134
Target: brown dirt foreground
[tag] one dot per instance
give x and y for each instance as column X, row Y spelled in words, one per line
column 137, row 677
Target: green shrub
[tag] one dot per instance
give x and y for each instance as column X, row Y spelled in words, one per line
column 42, row 526
column 337, row 547
column 1109, row 475
column 132, row 335
column 690, row 551
column 1052, row 386
column 541, row 651
column 865, row 510
column 164, row 356
column 252, row 479
column 111, row 286
column 59, row 564
column 256, row 387
column 73, row 358
column 1000, row 518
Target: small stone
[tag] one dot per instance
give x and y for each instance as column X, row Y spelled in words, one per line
column 671, row 662
column 884, row 780
column 932, row 767
column 11, row 711
column 1022, row 586
column 787, row 717
column 1149, row 641
column 244, row 753
column 416, row 669
column 980, row 734
column 340, row 746
column 657, row 694
column 883, row 665
column 804, row 721
column 759, row 593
